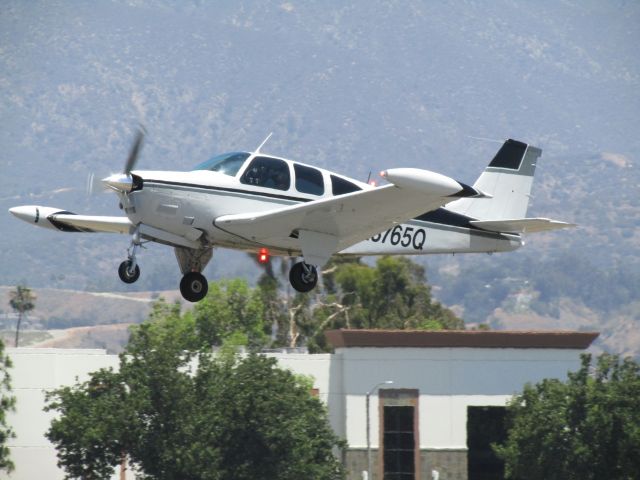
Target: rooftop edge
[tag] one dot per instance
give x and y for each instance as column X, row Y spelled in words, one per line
column 345, row 338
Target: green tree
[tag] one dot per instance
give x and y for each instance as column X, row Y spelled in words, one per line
column 393, row 294
column 89, row 435
column 585, row 428
column 22, row 300
column 7, row 404
column 285, row 310
column 231, row 307
column 179, row 411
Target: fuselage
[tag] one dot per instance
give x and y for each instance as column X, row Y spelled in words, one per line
column 187, row 203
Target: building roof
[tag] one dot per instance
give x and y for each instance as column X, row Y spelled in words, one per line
column 460, row 338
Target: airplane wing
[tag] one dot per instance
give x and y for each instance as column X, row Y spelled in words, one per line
column 322, row 227
column 521, row 225
column 91, row 223
column 56, row 218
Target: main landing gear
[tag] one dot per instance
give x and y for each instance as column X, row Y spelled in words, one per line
column 303, row 277
column 194, row 286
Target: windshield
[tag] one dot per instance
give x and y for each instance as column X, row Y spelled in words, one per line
column 227, row 163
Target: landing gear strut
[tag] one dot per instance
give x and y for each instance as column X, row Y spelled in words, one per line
column 303, row 277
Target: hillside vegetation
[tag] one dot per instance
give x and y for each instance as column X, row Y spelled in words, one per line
column 355, row 88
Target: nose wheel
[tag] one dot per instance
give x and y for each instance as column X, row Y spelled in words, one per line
column 194, row 286
column 128, row 271
column 303, row 277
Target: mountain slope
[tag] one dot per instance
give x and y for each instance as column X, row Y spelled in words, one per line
column 355, row 88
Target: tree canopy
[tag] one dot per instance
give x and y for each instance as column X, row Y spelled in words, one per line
column 392, row 294
column 176, row 410
column 7, row 404
column 22, row 300
column 585, row 428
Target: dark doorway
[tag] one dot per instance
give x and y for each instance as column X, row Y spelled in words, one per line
column 399, row 443
column 485, row 425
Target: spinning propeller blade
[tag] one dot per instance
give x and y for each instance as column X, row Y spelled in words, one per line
column 135, row 150
column 123, row 182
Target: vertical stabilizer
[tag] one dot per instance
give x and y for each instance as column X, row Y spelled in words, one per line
column 508, row 179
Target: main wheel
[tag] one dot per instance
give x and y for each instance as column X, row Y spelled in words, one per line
column 126, row 274
column 194, row 287
column 303, row 277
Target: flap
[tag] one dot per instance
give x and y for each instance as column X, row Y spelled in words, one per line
column 521, row 225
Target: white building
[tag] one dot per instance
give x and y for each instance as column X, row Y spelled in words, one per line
column 444, row 387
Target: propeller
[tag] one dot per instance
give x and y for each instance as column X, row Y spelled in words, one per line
column 135, row 150
column 123, row 182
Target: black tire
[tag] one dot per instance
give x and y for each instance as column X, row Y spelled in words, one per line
column 194, row 287
column 125, row 273
column 303, row 277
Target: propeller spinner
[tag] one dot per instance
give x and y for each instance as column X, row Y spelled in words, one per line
column 124, row 182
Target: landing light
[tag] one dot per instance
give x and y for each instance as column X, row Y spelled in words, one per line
column 263, row 255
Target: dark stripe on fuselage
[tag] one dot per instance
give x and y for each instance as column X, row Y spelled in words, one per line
column 440, row 216
column 230, row 190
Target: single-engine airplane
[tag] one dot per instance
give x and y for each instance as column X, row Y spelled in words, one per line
column 275, row 206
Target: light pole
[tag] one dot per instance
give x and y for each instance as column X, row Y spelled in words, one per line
column 369, row 462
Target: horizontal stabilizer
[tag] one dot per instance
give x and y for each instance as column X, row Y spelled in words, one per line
column 521, row 225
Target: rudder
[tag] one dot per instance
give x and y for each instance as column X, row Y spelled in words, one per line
column 508, row 179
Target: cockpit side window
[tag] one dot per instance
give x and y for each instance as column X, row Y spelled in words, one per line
column 268, row 173
column 340, row 186
column 227, row 163
column 308, row 180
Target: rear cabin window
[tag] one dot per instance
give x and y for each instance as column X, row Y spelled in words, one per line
column 268, row 173
column 340, row 186
column 308, row 180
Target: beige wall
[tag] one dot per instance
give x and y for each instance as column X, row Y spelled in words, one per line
column 448, row 380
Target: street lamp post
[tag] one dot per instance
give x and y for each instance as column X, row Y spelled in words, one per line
column 369, row 461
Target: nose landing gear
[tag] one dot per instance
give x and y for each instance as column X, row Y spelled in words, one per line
column 129, row 271
column 303, row 277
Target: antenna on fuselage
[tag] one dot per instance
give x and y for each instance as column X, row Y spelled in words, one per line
column 262, row 144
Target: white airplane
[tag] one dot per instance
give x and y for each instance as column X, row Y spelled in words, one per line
column 275, row 206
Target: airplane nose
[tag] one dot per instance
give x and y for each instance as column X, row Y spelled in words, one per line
column 122, row 182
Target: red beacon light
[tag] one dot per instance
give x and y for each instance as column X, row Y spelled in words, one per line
column 263, row 255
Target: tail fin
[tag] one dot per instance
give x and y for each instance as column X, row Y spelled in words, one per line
column 508, row 179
